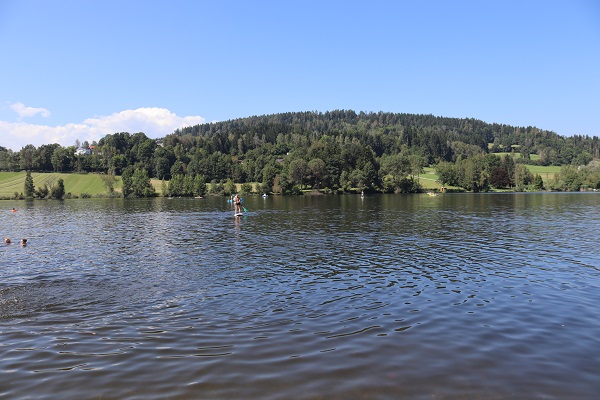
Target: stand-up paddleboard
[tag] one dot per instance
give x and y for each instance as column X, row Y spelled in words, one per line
column 238, row 214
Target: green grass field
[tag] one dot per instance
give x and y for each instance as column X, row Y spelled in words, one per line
column 544, row 172
column 429, row 179
column 76, row 184
column 533, row 157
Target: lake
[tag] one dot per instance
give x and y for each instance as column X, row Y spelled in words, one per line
column 459, row 296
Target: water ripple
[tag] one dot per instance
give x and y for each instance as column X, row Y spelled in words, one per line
column 465, row 296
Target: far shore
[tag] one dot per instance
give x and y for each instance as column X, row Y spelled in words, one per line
column 91, row 185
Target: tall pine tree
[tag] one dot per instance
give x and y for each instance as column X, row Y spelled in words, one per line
column 29, row 187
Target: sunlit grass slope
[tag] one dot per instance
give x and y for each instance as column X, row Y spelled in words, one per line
column 76, row 184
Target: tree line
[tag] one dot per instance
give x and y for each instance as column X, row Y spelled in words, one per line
column 334, row 151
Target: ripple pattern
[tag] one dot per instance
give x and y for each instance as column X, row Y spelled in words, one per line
column 458, row 296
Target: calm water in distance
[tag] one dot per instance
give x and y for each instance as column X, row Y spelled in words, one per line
column 459, row 296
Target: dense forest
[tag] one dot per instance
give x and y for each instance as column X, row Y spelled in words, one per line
column 335, row 151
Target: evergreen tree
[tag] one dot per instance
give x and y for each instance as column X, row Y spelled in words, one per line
column 538, row 182
column 29, row 187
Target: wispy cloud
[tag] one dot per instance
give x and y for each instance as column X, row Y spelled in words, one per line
column 25, row 111
column 154, row 122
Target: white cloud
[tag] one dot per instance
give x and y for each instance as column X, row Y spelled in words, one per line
column 24, row 111
column 154, row 122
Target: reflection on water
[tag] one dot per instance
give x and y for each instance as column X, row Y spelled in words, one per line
column 454, row 296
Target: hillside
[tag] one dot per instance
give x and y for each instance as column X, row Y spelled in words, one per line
column 337, row 151
column 385, row 132
column 77, row 184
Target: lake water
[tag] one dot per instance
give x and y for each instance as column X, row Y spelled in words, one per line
column 474, row 296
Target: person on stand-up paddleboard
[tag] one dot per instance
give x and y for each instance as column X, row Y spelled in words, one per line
column 238, row 204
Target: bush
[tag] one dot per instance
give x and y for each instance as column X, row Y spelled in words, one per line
column 58, row 190
column 246, row 188
column 229, row 187
column 42, row 192
column 217, row 188
column 265, row 188
column 296, row 190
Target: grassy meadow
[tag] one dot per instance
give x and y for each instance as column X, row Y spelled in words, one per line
column 76, row 184
column 517, row 156
column 546, row 173
column 429, row 179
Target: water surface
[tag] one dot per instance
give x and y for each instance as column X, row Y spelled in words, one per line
column 479, row 296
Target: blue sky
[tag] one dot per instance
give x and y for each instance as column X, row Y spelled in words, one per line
column 77, row 69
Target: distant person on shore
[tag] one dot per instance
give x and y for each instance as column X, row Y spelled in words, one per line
column 7, row 240
column 23, row 242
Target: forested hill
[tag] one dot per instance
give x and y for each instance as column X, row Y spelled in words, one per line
column 386, row 133
column 334, row 151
